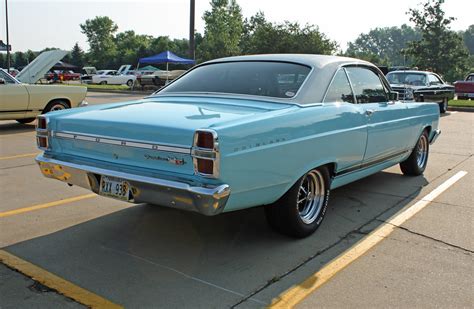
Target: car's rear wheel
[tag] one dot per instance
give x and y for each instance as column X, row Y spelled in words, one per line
column 129, row 83
column 443, row 106
column 103, row 82
column 55, row 106
column 301, row 210
column 25, row 120
column 415, row 165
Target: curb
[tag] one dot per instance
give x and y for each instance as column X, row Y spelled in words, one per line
column 461, row 109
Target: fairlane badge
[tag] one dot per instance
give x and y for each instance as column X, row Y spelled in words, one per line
column 171, row 160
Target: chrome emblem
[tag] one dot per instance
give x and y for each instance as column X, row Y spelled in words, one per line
column 172, row 160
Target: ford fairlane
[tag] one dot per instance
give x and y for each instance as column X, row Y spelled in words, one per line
column 274, row 130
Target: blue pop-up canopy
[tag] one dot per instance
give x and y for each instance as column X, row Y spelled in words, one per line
column 166, row 57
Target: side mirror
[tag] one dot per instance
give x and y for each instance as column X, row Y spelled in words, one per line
column 393, row 96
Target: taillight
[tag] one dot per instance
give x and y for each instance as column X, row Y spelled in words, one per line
column 206, row 153
column 205, row 140
column 42, row 133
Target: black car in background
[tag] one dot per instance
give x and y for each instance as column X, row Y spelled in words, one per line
column 421, row 86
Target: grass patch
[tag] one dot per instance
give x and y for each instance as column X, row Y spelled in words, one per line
column 461, row 103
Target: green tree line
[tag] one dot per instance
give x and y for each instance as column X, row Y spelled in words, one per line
column 428, row 44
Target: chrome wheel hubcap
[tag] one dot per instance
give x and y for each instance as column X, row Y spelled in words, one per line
column 422, row 151
column 310, row 198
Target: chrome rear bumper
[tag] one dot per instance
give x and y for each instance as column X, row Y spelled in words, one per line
column 436, row 133
column 207, row 200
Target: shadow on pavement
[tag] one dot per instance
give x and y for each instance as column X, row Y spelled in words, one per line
column 148, row 256
column 13, row 127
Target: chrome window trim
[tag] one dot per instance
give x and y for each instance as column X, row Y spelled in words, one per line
column 121, row 142
column 270, row 98
column 341, row 68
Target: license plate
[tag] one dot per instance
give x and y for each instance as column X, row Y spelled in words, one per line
column 114, row 187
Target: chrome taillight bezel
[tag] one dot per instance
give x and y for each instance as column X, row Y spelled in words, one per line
column 42, row 132
column 211, row 154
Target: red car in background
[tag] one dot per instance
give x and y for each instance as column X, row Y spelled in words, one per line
column 465, row 89
column 62, row 76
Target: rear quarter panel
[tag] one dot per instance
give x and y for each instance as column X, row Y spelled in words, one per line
column 262, row 159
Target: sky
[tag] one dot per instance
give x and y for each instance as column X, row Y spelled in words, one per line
column 37, row 24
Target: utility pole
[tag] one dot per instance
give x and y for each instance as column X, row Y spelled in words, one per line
column 192, row 10
column 8, row 39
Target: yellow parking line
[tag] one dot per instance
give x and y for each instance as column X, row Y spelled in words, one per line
column 20, row 156
column 54, row 282
column 298, row 293
column 46, row 205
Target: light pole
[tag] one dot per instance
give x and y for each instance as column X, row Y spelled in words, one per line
column 191, row 29
column 8, row 39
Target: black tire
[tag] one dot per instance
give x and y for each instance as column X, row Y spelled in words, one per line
column 299, row 217
column 55, row 106
column 130, row 83
column 25, row 120
column 443, row 106
column 415, row 164
column 103, row 82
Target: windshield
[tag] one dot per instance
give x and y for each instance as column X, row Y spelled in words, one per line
column 415, row 79
column 271, row 79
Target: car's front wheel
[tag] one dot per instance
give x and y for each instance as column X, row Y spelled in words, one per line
column 415, row 164
column 301, row 210
column 130, row 83
column 103, row 82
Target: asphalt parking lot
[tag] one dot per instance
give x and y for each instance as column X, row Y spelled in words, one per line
column 144, row 256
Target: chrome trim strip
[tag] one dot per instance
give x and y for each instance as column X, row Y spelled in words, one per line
column 118, row 142
column 371, row 163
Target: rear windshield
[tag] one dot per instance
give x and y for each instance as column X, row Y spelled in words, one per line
column 414, row 79
column 270, row 79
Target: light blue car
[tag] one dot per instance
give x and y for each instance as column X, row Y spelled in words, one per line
column 240, row 132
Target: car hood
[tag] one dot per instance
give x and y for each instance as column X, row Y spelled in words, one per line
column 40, row 66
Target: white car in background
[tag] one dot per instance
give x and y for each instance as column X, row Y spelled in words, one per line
column 113, row 77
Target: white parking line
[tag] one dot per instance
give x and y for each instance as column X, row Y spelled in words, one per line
column 298, row 293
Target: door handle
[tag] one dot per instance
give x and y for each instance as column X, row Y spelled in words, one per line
column 369, row 112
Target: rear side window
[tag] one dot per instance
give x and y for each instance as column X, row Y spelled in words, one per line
column 271, row 79
column 340, row 90
column 368, row 87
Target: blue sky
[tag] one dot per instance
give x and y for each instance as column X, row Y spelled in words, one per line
column 36, row 24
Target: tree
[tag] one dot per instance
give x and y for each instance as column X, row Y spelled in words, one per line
column 261, row 36
column 19, row 60
column 439, row 49
column 100, row 36
column 223, row 30
column 3, row 61
column 385, row 45
column 128, row 43
column 77, row 56
column 468, row 37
